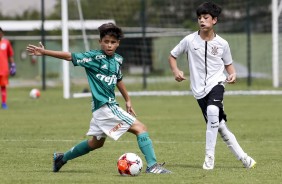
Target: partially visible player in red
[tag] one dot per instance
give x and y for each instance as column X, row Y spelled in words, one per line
column 6, row 68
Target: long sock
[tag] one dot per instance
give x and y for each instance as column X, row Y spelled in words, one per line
column 146, row 146
column 231, row 141
column 212, row 129
column 4, row 94
column 77, row 151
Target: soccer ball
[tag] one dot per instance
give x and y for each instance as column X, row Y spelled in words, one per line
column 34, row 93
column 129, row 164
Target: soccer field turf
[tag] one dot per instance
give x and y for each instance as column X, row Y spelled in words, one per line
column 31, row 130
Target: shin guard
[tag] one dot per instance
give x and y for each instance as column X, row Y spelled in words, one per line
column 212, row 129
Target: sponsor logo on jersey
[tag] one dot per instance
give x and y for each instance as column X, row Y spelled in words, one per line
column 108, row 79
column 100, row 56
column 84, row 60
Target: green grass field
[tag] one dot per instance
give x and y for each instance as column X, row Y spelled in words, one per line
column 31, row 130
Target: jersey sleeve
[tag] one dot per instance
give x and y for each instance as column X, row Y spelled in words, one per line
column 226, row 56
column 119, row 60
column 180, row 48
column 82, row 59
column 120, row 75
column 10, row 51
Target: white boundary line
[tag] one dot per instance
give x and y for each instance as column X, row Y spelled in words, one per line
column 184, row 93
column 112, row 141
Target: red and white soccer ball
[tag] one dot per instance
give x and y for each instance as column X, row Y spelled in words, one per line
column 129, row 164
column 34, row 93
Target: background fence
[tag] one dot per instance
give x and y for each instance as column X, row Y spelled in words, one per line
column 152, row 28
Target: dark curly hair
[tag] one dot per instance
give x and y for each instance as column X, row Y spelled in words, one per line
column 209, row 8
column 111, row 30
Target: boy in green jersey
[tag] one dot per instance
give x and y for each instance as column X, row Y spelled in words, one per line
column 103, row 70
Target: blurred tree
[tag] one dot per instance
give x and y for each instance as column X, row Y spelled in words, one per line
column 162, row 13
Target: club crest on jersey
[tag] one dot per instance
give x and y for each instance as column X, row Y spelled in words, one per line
column 214, row 50
column 3, row 46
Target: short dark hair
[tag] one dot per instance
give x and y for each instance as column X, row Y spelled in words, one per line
column 110, row 29
column 1, row 29
column 209, row 8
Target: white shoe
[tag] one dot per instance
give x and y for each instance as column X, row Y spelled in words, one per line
column 248, row 162
column 209, row 162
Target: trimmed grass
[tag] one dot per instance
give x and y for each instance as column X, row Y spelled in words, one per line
column 31, row 130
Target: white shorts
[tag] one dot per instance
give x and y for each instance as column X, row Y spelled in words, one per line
column 110, row 120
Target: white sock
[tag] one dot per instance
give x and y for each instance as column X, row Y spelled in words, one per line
column 231, row 141
column 212, row 129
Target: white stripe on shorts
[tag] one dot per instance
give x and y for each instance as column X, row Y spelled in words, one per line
column 127, row 118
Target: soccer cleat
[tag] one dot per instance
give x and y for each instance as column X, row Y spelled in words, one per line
column 4, row 106
column 209, row 162
column 58, row 161
column 248, row 162
column 157, row 169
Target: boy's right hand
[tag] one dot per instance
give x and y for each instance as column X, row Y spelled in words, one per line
column 35, row 50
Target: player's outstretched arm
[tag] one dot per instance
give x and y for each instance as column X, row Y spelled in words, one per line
column 40, row 51
column 178, row 74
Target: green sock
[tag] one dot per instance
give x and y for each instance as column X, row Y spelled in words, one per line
column 146, row 146
column 76, row 151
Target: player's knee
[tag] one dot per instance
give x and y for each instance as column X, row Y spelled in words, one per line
column 138, row 128
column 96, row 144
column 212, row 110
column 222, row 126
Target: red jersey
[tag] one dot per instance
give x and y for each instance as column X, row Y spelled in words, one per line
column 6, row 51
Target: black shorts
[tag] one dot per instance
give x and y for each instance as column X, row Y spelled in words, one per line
column 215, row 97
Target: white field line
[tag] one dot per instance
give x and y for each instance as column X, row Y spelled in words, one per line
column 112, row 141
column 183, row 93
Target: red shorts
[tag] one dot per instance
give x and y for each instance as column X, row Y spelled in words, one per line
column 4, row 80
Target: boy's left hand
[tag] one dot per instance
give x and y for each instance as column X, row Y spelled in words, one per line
column 231, row 79
column 130, row 109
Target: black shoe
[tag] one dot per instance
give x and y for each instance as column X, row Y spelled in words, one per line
column 58, row 161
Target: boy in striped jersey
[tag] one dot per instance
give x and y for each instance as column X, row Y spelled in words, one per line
column 103, row 70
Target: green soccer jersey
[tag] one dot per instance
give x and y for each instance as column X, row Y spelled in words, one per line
column 103, row 72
